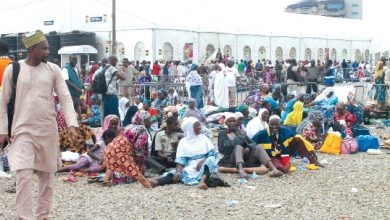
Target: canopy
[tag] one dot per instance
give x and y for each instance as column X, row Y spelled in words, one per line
column 81, row 49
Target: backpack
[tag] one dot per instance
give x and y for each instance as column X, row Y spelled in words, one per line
column 349, row 146
column 99, row 85
column 11, row 104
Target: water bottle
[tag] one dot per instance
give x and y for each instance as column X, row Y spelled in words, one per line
column 303, row 165
column 254, row 175
column 4, row 163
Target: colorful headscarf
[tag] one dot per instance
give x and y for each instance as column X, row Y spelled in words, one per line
column 106, row 125
column 378, row 70
column 313, row 115
column 294, row 118
column 138, row 123
column 147, row 102
column 193, row 67
column 242, row 108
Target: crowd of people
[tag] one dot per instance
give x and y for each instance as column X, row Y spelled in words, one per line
column 117, row 135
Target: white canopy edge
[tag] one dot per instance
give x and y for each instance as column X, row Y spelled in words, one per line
column 81, row 49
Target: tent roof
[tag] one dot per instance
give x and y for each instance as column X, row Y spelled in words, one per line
column 82, row 49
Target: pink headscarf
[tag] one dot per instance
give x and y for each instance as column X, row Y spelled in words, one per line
column 106, row 125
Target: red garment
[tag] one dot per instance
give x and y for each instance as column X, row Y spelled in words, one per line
column 360, row 73
column 349, row 119
column 156, row 69
column 89, row 80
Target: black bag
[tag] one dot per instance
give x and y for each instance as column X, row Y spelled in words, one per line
column 11, row 104
column 99, row 85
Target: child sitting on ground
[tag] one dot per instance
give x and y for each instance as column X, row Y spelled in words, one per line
column 92, row 161
column 93, row 119
column 84, row 109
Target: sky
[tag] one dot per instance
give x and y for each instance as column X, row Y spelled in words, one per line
column 252, row 16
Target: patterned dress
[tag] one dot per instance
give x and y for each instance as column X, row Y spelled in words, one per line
column 119, row 157
column 79, row 146
column 311, row 134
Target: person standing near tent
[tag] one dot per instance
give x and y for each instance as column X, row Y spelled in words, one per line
column 110, row 99
column 71, row 75
column 380, row 86
column 221, row 90
column 231, row 75
column 34, row 141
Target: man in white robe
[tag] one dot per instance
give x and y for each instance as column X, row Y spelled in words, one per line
column 34, row 135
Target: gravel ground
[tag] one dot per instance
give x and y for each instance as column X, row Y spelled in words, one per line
column 350, row 187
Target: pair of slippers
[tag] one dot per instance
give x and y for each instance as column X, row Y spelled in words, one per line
column 70, row 179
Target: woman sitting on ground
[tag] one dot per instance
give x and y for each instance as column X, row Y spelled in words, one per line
column 195, row 159
column 259, row 123
column 192, row 111
column 125, row 156
column 345, row 118
column 256, row 99
column 110, row 122
column 295, row 117
column 85, row 111
column 92, row 161
column 312, row 130
column 93, row 118
column 245, row 111
column 240, row 151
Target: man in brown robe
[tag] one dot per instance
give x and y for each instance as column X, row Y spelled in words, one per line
column 34, row 136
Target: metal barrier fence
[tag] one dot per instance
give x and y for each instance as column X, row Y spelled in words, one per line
column 243, row 91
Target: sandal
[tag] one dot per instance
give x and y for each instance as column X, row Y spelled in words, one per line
column 106, row 184
column 11, row 189
column 70, row 179
column 276, row 173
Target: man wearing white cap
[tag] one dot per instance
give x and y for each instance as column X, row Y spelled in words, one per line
column 34, row 135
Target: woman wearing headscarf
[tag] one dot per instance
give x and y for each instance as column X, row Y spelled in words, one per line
column 160, row 103
column 294, row 118
column 129, row 115
column 255, row 100
column 123, row 106
column 192, row 111
column 380, row 86
column 195, row 159
column 312, row 130
column 212, row 77
column 89, row 79
column 152, row 111
column 259, row 123
column 221, row 90
column 326, row 103
column 245, row 111
column 126, row 154
column 240, row 118
column 194, row 85
column 353, row 107
column 345, row 118
column 110, row 122
column 239, row 150
column 138, row 135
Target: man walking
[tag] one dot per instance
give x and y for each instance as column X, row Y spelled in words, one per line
column 71, row 75
column 34, row 135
